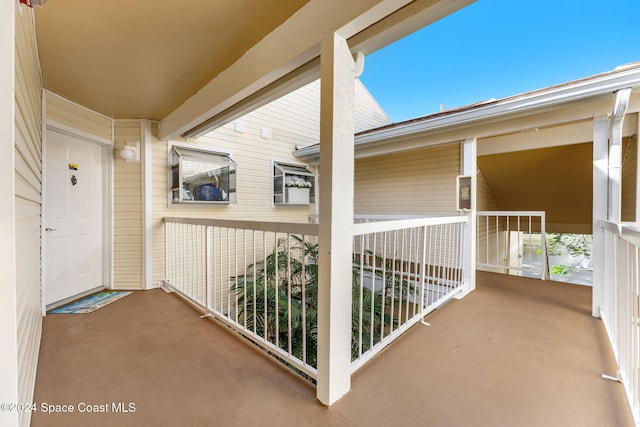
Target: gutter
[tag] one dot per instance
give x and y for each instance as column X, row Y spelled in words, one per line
column 601, row 84
column 615, row 154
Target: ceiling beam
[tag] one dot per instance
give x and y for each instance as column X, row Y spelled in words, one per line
column 293, row 45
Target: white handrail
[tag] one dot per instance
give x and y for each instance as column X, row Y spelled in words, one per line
column 382, row 226
column 275, row 227
column 404, row 270
column 494, row 245
column 226, row 267
column 620, row 310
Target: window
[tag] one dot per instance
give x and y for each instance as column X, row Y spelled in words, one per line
column 201, row 176
column 293, row 184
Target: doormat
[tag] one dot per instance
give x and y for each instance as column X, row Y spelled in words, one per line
column 90, row 303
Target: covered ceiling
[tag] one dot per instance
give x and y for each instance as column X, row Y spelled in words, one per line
column 557, row 180
column 144, row 58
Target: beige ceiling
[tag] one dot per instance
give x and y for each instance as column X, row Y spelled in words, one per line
column 144, row 58
column 557, row 180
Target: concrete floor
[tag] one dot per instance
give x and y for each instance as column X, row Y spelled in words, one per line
column 515, row 352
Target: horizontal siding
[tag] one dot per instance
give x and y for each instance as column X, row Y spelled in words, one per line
column 293, row 121
column 28, row 203
column 253, row 155
column 410, row 183
column 629, row 178
column 127, row 191
column 484, row 198
column 68, row 113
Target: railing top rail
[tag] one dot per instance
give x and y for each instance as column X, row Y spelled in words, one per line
column 387, row 217
column 379, row 227
column 276, row 227
column 392, row 217
column 630, row 231
column 511, row 213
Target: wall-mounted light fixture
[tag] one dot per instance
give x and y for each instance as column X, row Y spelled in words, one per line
column 32, row 3
column 131, row 151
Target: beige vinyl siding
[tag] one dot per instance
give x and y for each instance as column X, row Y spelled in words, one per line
column 127, row 191
column 484, row 198
column 292, row 121
column 410, row 183
column 28, row 203
column 253, row 189
column 629, row 179
column 80, row 118
column 296, row 116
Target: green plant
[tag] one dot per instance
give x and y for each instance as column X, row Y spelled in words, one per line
column 284, row 289
column 578, row 246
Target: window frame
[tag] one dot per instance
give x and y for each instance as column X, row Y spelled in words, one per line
column 291, row 168
column 205, row 150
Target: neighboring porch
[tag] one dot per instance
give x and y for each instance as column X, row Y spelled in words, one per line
column 516, row 351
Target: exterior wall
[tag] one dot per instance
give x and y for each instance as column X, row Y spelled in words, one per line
column 8, row 320
column 485, row 201
column 297, row 114
column 629, row 178
column 409, row 183
column 28, row 203
column 291, row 121
column 127, row 191
column 67, row 113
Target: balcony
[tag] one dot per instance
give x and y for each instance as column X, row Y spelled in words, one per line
column 516, row 351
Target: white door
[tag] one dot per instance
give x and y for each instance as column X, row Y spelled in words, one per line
column 73, row 216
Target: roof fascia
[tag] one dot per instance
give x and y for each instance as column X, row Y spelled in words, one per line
column 524, row 104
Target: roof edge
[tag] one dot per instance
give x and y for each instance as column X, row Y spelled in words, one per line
column 599, row 84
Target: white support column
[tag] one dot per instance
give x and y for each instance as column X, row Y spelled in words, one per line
column 615, row 154
column 600, row 191
column 470, row 167
column 147, row 207
column 8, row 314
column 637, row 168
column 336, row 219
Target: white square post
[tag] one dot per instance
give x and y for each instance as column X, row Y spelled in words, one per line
column 336, row 219
column 470, row 168
column 637, row 218
column 600, row 192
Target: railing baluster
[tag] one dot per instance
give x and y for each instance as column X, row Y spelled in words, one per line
column 303, row 303
column 255, row 292
column 207, row 260
column 360, row 298
column 277, row 292
column 289, row 293
column 384, row 284
column 265, row 283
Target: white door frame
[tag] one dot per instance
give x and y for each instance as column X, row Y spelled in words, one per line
column 107, row 199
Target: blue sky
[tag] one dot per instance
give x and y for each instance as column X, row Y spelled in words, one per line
column 497, row 48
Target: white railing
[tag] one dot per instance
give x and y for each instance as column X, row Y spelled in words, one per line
column 620, row 311
column 512, row 241
column 259, row 278
column 403, row 269
column 358, row 218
